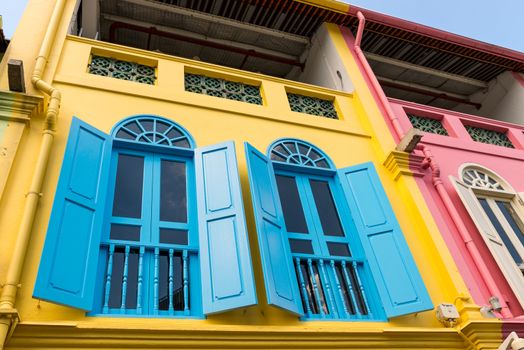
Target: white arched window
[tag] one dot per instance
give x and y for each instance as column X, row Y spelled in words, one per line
column 498, row 213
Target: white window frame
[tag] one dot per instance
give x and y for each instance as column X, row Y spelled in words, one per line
column 470, row 194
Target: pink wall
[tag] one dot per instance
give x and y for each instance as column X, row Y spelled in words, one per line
column 451, row 152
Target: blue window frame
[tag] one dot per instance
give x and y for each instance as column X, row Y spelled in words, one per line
column 330, row 245
column 144, row 223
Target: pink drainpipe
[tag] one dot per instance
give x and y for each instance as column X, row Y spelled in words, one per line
column 429, row 162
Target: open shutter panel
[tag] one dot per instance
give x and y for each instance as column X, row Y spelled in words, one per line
column 398, row 281
column 68, row 265
column 491, row 238
column 277, row 264
column 227, row 271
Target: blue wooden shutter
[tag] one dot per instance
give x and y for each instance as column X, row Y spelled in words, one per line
column 227, row 271
column 395, row 273
column 68, row 265
column 277, row 264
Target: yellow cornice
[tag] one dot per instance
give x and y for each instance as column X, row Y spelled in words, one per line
column 402, row 163
column 56, row 335
column 331, row 5
column 15, row 106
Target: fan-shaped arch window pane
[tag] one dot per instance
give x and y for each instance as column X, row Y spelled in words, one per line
column 153, row 130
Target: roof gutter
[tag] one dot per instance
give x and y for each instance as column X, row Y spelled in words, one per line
column 8, row 314
column 437, row 34
column 375, row 85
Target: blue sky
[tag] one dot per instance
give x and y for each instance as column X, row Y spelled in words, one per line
column 499, row 22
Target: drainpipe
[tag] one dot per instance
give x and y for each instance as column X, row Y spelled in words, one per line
column 373, row 79
column 8, row 312
column 429, row 162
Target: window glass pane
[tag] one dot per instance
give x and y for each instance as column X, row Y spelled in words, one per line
column 165, row 275
column 125, row 232
column 128, row 187
column 338, row 249
column 117, row 277
column 173, row 199
column 171, row 236
column 513, row 219
column 326, row 208
column 301, row 246
column 123, row 134
column 503, row 235
column 291, row 204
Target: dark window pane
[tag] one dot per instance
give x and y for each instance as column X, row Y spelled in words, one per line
column 301, row 246
column 171, row 236
column 503, row 235
column 125, row 232
column 115, row 295
column 178, row 287
column 161, row 127
column 134, row 127
column 117, row 279
column 123, row 134
column 338, row 249
column 165, row 275
column 128, row 187
column 326, row 208
column 163, row 281
column 291, row 204
column 173, row 199
column 513, row 219
column 147, row 124
column 132, row 280
column 184, row 143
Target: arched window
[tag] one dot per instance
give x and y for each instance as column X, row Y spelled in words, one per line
column 495, row 208
column 329, row 242
column 144, row 223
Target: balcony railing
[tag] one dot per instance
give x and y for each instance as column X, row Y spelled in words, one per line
column 332, row 288
column 146, row 280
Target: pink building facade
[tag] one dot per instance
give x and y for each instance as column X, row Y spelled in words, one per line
column 469, row 168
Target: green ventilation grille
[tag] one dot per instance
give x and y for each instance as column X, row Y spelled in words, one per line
column 231, row 90
column 312, row 105
column 433, row 126
column 110, row 67
column 488, row 136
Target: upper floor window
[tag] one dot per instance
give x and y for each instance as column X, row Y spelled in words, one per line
column 496, row 210
column 331, row 247
column 144, row 223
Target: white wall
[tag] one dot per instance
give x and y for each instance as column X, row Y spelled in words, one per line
column 503, row 99
column 324, row 66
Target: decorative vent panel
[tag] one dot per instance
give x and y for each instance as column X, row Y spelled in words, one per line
column 430, row 125
column 488, row 136
column 312, row 105
column 231, row 90
column 110, row 67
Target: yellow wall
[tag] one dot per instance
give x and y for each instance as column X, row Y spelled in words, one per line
column 360, row 136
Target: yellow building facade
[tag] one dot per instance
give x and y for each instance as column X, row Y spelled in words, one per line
column 35, row 127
